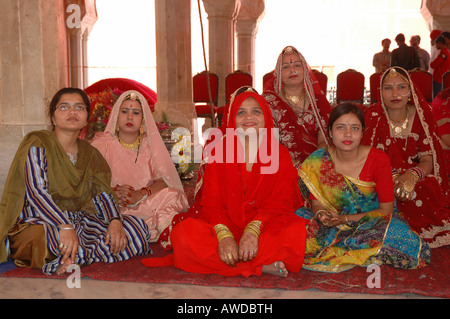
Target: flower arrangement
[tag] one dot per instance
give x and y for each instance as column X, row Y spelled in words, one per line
column 182, row 154
column 101, row 106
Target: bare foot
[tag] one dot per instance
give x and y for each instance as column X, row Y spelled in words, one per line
column 62, row 268
column 277, row 268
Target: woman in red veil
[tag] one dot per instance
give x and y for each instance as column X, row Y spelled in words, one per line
column 246, row 223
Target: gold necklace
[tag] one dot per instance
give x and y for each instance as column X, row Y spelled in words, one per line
column 398, row 129
column 294, row 98
column 132, row 146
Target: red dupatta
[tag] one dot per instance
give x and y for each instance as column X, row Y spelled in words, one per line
column 269, row 192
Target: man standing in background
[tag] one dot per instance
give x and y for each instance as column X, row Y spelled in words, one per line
column 424, row 56
column 382, row 59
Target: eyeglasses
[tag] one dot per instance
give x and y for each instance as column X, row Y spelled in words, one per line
column 79, row 107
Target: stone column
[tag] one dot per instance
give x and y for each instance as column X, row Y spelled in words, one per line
column 174, row 63
column 80, row 15
column 250, row 14
column 437, row 16
column 221, row 20
column 33, row 55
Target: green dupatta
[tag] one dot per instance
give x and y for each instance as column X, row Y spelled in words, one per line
column 72, row 187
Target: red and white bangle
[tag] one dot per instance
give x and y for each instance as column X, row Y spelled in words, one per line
column 148, row 190
column 418, row 172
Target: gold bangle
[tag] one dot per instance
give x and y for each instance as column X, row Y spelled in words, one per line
column 254, row 227
column 222, row 232
column 415, row 176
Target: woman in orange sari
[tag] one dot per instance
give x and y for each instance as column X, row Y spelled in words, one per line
column 402, row 125
column 299, row 106
column 246, row 224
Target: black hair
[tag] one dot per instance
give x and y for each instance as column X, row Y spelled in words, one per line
column 440, row 39
column 345, row 108
column 68, row 90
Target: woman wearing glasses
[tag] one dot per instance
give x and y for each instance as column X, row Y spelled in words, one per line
column 57, row 206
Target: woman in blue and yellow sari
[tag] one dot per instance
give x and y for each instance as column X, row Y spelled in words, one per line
column 353, row 219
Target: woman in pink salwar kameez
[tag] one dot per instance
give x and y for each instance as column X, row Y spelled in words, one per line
column 144, row 176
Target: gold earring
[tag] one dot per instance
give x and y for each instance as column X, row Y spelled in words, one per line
column 141, row 131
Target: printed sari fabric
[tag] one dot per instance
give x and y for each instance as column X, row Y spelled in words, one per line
column 428, row 213
column 373, row 239
column 299, row 133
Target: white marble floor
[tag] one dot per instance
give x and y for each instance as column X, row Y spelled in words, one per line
column 19, row 288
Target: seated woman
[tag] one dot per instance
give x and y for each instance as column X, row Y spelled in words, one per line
column 441, row 112
column 58, row 207
column 144, row 176
column 299, row 106
column 352, row 216
column 402, row 125
column 246, row 224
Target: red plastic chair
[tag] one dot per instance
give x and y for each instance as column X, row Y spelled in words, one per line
column 446, row 80
column 235, row 80
column 350, row 86
column 201, row 95
column 374, row 82
column 268, row 80
column 322, row 78
column 424, row 81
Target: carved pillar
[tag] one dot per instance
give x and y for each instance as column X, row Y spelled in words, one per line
column 80, row 15
column 33, row 58
column 250, row 14
column 437, row 16
column 173, row 60
column 221, row 20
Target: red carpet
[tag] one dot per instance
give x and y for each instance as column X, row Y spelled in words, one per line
column 433, row 281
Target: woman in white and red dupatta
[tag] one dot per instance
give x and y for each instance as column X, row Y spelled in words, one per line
column 144, row 176
column 299, row 106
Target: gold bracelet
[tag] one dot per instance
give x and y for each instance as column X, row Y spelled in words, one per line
column 222, row 232
column 415, row 176
column 254, row 227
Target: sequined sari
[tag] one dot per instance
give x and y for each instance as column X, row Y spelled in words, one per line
column 428, row 213
column 375, row 238
column 299, row 132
